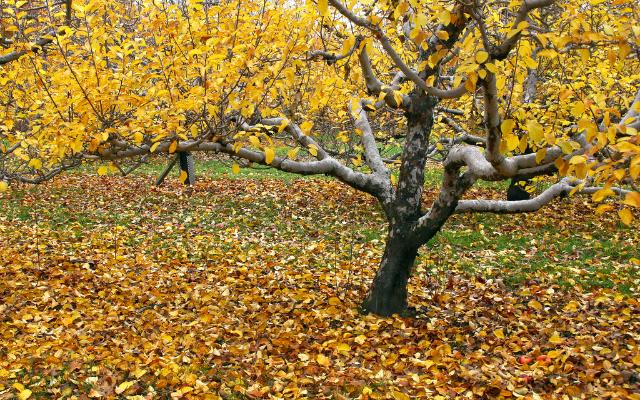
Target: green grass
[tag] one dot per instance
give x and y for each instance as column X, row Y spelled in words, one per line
column 483, row 244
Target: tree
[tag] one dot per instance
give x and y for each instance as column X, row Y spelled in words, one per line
column 489, row 90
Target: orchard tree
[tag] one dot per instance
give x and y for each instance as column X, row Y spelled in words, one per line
column 493, row 91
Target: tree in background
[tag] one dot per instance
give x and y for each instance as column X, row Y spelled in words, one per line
column 490, row 91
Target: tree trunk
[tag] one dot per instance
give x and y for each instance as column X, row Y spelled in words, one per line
column 388, row 292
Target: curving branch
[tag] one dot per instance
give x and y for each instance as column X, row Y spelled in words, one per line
column 371, row 153
column 332, row 58
column 492, row 125
column 511, row 207
column 395, row 57
column 375, row 86
column 413, row 75
column 559, row 189
column 450, row 110
column 466, row 137
column 501, row 51
column 14, row 55
column 41, row 177
column 632, row 113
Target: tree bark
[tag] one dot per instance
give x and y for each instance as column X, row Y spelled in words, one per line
column 388, row 292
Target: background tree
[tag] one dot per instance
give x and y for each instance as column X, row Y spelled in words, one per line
column 490, row 90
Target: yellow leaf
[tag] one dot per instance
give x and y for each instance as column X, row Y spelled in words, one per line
column 577, row 160
column 444, row 17
column 442, row 35
column 138, row 137
column 269, row 155
column 625, row 216
column 343, row 348
column 512, row 142
column 536, row 131
column 540, row 155
column 399, row 395
column 530, row 63
column 313, row 150
column 348, row 44
column 183, row 176
column 634, row 171
column 470, row 84
column 306, row 126
column 491, row 68
column 254, row 141
column 323, row 360
column 554, row 353
column 283, row 125
column 124, row 386
column 556, row 339
column 77, row 7
column 522, row 25
column 173, row 146
column 578, row 109
column 138, row 373
column 154, row 147
column 4, row 186
column 397, row 98
column 636, row 359
column 499, row 333
column 35, row 163
column 235, row 168
column 293, row 153
column 535, row 304
column 400, row 10
column 602, row 194
column 603, row 208
column 481, row 57
column 195, row 52
column 507, row 126
column 24, row 394
column 571, row 306
column 103, row 170
column 323, row 7
column 632, row 199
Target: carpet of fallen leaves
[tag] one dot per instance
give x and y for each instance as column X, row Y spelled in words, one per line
column 112, row 288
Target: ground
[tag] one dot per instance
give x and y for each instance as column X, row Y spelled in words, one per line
column 244, row 287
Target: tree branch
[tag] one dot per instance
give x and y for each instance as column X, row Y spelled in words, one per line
column 395, row 57
column 332, row 58
column 510, row 207
column 371, row 153
column 501, row 51
column 14, row 55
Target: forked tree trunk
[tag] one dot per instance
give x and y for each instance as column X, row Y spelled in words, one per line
column 388, row 292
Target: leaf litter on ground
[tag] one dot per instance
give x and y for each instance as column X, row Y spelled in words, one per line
column 112, row 288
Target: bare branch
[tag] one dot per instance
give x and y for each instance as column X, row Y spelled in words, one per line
column 561, row 188
column 14, row 55
column 332, row 58
column 511, row 207
column 371, row 153
column 502, row 51
column 375, row 86
column 449, row 111
column 466, row 137
column 395, row 57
